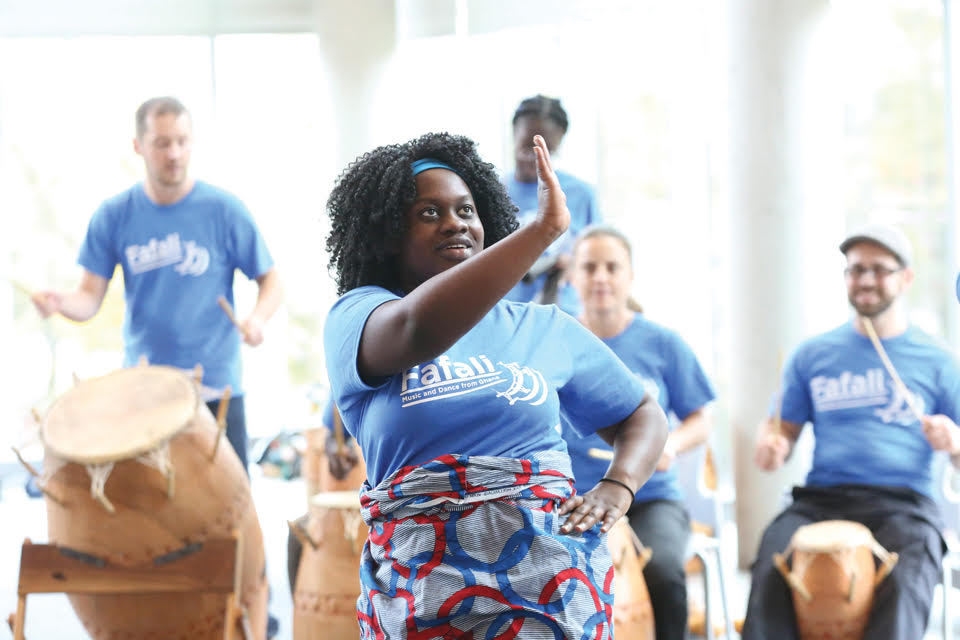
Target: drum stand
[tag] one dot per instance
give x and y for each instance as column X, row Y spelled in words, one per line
column 212, row 566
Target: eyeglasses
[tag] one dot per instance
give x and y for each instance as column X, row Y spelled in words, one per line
column 879, row 271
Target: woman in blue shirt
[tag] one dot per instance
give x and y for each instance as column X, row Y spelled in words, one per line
column 602, row 275
column 455, row 398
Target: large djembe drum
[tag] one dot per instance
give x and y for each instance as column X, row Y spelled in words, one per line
column 632, row 611
column 136, row 472
column 833, row 578
column 328, row 581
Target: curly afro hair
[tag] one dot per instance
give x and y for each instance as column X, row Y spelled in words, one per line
column 368, row 202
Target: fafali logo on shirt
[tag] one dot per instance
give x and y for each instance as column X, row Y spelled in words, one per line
column 190, row 258
column 868, row 389
column 446, row 378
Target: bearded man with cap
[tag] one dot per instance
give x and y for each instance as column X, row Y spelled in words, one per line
column 873, row 457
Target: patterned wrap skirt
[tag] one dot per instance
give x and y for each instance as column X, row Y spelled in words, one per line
column 468, row 547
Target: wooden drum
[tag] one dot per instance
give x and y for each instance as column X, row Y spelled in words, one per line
column 833, row 578
column 328, row 582
column 316, row 467
column 136, row 472
column 632, row 611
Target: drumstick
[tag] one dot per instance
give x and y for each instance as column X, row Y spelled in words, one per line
column 19, row 286
column 902, row 388
column 229, row 311
column 600, row 454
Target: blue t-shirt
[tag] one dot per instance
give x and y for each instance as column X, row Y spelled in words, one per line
column 177, row 259
column 864, row 430
column 582, row 203
column 498, row 391
column 672, row 375
column 327, row 419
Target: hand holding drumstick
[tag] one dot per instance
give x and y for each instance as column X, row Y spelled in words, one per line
column 776, row 437
column 251, row 329
column 941, row 432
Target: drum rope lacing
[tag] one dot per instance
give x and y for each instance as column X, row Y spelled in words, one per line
column 158, row 458
column 98, row 479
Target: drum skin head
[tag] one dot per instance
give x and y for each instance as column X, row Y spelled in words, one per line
column 123, row 414
column 830, row 536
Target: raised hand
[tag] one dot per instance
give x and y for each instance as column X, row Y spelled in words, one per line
column 552, row 210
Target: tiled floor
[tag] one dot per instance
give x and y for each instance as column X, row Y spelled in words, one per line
column 50, row 616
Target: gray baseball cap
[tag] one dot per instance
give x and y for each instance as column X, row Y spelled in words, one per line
column 890, row 238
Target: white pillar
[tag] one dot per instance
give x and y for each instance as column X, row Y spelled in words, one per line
column 357, row 40
column 770, row 43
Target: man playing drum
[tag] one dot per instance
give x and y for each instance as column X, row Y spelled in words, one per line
column 179, row 241
column 875, row 439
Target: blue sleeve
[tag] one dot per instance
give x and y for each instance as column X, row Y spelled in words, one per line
column 948, row 402
column 327, row 417
column 341, row 343
column 688, row 387
column 601, row 391
column 97, row 253
column 796, row 405
column 245, row 245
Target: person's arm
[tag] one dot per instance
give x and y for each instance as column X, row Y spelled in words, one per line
column 692, row 432
column 774, row 445
column 637, row 442
column 269, row 297
column 431, row 318
column 341, row 456
column 78, row 305
column 943, row 434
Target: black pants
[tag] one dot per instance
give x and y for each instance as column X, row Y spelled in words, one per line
column 236, row 426
column 664, row 526
column 901, row 520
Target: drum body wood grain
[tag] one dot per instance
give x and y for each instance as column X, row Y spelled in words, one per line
column 328, row 581
column 632, row 611
column 210, row 499
column 833, row 578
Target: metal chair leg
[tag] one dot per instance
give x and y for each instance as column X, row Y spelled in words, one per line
column 727, row 622
column 945, row 580
column 707, row 620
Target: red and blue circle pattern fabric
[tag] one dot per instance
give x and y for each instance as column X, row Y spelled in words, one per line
column 468, row 547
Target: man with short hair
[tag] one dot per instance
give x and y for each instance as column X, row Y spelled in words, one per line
column 873, row 456
column 178, row 241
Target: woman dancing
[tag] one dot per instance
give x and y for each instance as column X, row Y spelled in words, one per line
column 455, row 398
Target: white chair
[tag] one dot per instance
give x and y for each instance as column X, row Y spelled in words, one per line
column 705, row 508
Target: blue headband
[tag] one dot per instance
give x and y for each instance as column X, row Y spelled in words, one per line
column 421, row 165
